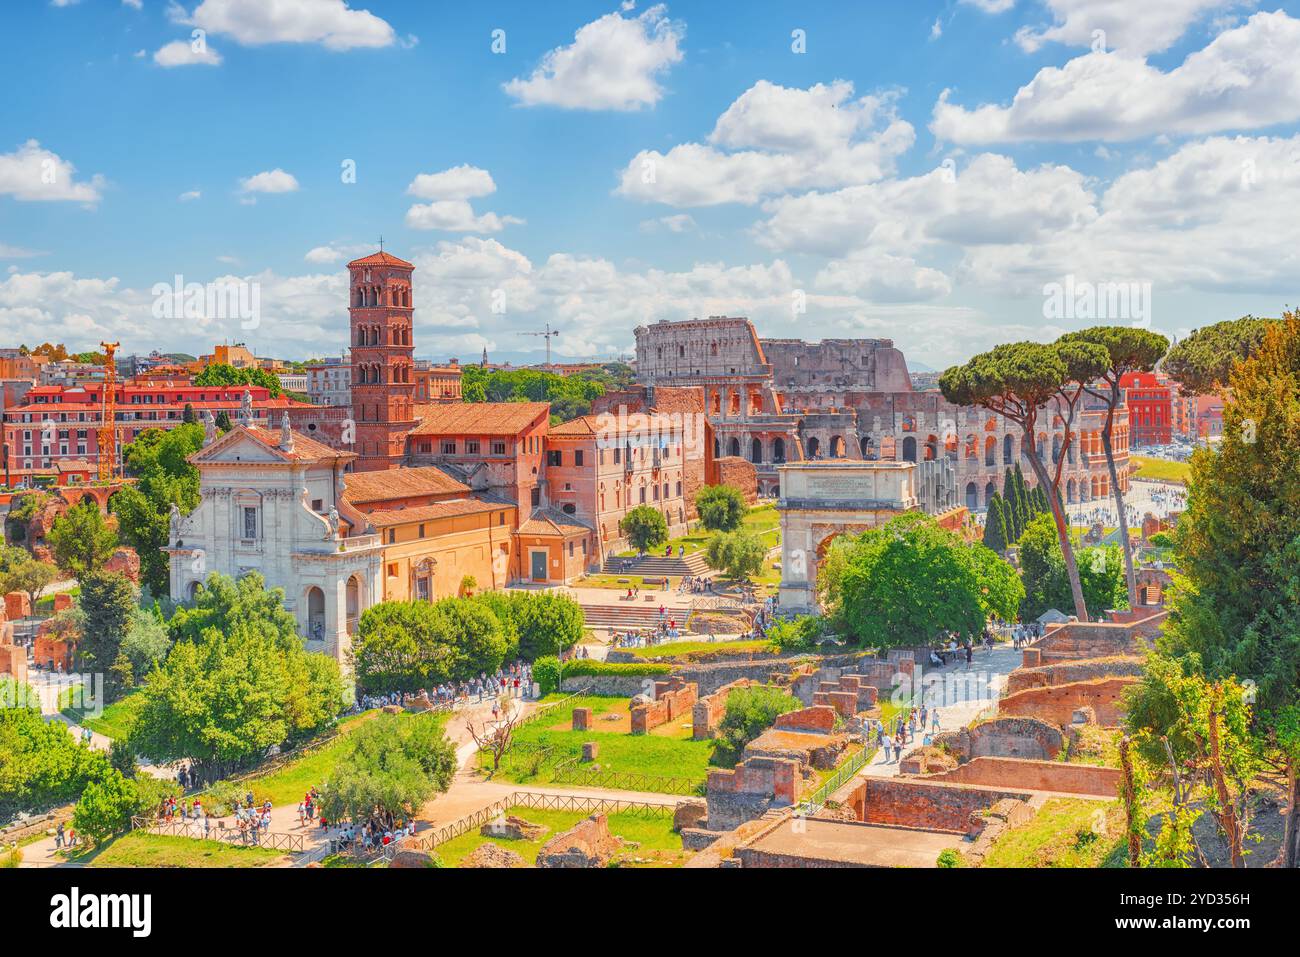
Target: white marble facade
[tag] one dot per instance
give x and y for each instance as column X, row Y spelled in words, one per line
column 272, row 503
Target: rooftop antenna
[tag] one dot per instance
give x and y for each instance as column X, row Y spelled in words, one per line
column 547, row 335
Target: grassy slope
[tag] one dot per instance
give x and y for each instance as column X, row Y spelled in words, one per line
column 1057, row 837
column 654, row 834
column 116, row 720
column 156, row 850
column 1161, row 469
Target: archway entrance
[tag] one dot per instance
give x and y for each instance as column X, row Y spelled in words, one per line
column 315, row 614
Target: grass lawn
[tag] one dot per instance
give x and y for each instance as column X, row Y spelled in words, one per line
column 45, row 604
column 659, row 846
column 624, row 582
column 1163, row 470
column 763, row 520
column 1096, row 746
column 289, row 782
column 667, row 751
column 685, row 650
column 1068, row 832
column 138, row 849
column 115, row 722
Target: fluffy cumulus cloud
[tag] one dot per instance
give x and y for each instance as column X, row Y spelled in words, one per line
column 34, row 173
column 1246, row 78
column 614, row 63
column 186, row 53
column 775, row 139
column 330, row 23
column 269, row 181
column 332, row 253
column 1137, row 28
column 450, row 210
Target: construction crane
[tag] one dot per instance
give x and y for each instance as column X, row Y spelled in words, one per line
column 547, row 334
column 106, row 436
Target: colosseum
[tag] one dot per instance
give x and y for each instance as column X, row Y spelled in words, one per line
column 779, row 400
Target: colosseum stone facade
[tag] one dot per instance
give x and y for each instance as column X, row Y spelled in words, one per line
column 785, row 400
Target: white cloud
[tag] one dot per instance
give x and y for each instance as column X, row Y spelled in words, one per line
column 133, row 4
column 455, row 215
column 775, row 139
column 676, row 223
column 1245, row 78
column 336, row 253
column 614, row 63
column 331, row 23
column 33, row 173
column 1136, row 28
column 17, row 252
column 991, row 6
column 269, row 181
column 186, row 53
column 459, row 182
column 189, row 195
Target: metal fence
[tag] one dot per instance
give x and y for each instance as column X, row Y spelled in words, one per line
column 843, row 774
column 271, row 840
column 538, row 801
column 570, row 772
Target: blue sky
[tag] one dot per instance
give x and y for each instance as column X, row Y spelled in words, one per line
column 914, row 171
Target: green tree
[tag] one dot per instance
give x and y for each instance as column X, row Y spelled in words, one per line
column 1046, row 584
column 410, row 645
column 547, row 673
column 225, row 700
column 995, row 526
column 1203, row 362
column 1129, row 350
column 644, row 527
column 750, row 712
column 147, row 640
column 41, row 764
column 721, row 507
column 222, row 603
column 547, row 623
column 219, row 373
column 107, row 604
column 739, row 555
column 1018, row 381
column 30, row 577
column 905, row 582
column 223, row 422
column 159, row 460
column 82, row 542
column 105, row 807
column 393, row 764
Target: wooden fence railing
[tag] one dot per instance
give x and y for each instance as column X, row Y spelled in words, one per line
column 272, row 840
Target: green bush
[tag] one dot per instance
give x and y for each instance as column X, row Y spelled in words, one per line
column 546, row 672
column 105, row 807
column 750, row 712
column 721, row 507
column 950, row 857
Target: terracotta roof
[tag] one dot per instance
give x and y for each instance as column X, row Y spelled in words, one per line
column 381, row 258
column 478, row 418
column 383, row 486
column 304, row 449
column 585, row 425
column 424, row 513
column 549, row 521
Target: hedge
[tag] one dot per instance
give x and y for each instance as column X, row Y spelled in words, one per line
column 586, row 667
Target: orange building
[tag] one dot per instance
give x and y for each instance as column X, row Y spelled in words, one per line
column 437, row 383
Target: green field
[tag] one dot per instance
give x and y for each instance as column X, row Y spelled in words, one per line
column 139, row 849
column 667, row 751
column 1067, row 832
column 659, row 846
column 116, row 720
column 1162, row 470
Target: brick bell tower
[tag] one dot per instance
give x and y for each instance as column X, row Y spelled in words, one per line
column 383, row 387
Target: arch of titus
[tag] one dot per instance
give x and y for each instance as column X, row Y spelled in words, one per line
column 820, row 500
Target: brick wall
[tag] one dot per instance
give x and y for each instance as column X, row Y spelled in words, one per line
column 1057, row 703
column 738, row 472
column 1063, row 672
column 673, row 698
column 1076, row 639
column 819, row 719
column 922, row 804
column 13, row 662
column 1034, row 775
column 750, row 790
column 1005, row 736
column 707, row 712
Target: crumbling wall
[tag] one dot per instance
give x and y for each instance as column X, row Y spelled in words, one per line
column 755, row 785
column 932, row 806
column 1004, row 737
column 1034, row 775
column 673, row 698
column 707, row 712
column 1057, row 703
column 1067, row 671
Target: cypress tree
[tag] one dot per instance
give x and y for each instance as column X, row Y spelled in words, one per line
column 995, row 530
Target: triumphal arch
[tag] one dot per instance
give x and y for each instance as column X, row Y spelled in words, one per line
column 822, row 500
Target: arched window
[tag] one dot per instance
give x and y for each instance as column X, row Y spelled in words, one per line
column 756, row 452
column 990, row 451
column 909, row 449
column 1008, row 450
column 778, row 451
column 972, row 496
column 734, row 447
column 813, row 447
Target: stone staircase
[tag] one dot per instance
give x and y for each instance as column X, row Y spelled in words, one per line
column 635, row 615
column 658, row 566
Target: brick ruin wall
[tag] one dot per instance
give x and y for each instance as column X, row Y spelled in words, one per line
column 707, row 713
column 1004, row 737
column 1057, row 703
column 737, row 472
column 1075, row 640
column 1065, row 672
column 899, row 802
column 1034, row 775
column 673, row 698
column 754, row 787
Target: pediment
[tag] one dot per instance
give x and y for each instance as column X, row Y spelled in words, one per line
column 235, row 447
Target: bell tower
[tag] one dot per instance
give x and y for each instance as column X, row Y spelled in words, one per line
column 383, row 387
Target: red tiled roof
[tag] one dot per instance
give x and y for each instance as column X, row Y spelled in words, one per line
column 548, row 521
column 383, row 486
column 478, row 418
column 304, row 449
column 381, row 258
column 585, row 425
column 424, row 513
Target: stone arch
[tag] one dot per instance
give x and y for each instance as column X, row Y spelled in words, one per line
column 733, row 448
column 756, row 452
column 354, row 594
column 989, row 489
column 778, row 450
column 931, row 448
column 315, row 613
column 837, row 447
column 814, row 445
column 990, row 451
column 972, row 496
column 909, row 448
column 1008, row 450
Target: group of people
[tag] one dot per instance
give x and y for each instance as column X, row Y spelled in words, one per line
column 381, row 830
column 901, row 731
column 514, row 680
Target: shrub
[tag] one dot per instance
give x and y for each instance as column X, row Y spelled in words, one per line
column 750, row 712
column 739, row 555
column 585, row 667
column 105, row 807
column 12, row 858
column 950, row 857
column 721, row 507
column 546, row 672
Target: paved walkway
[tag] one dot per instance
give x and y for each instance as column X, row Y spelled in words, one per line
column 990, row 669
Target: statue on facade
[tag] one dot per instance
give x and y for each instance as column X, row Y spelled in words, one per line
column 209, row 427
column 286, row 433
column 246, row 409
column 334, row 522
column 173, row 524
